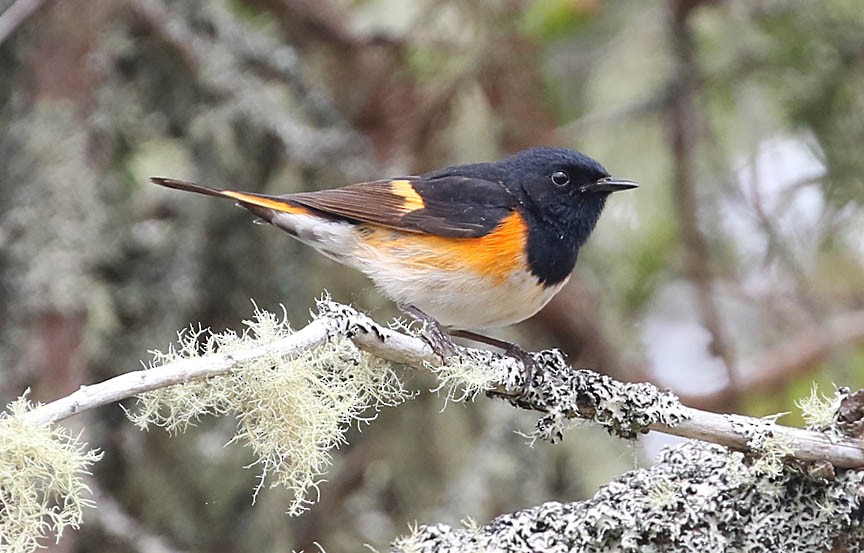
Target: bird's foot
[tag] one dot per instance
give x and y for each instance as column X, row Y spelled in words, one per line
column 529, row 365
column 433, row 333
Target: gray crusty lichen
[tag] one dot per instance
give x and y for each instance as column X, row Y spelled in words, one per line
column 624, row 409
column 698, row 497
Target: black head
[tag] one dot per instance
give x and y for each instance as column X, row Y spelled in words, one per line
column 563, row 193
column 559, row 192
column 556, row 179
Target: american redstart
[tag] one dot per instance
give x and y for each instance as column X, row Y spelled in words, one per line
column 471, row 246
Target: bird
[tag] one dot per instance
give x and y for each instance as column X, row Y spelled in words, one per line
column 465, row 248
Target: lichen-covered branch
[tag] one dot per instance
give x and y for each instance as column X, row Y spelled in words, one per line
column 295, row 392
column 697, row 497
column 183, row 370
column 561, row 393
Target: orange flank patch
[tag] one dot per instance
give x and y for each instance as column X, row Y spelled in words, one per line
column 403, row 188
column 494, row 256
column 272, row 203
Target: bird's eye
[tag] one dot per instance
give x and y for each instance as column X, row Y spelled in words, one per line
column 560, row 178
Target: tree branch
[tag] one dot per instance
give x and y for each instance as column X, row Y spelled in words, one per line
column 697, row 497
column 683, row 125
column 558, row 391
column 120, row 525
column 15, row 15
column 790, row 358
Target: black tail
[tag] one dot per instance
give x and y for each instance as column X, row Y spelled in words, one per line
column 188, row 186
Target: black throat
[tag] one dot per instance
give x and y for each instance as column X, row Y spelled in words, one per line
column 556, row 233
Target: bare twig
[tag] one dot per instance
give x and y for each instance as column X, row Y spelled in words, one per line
column 611, row 117
column 558, row 391
column 116, row 522
column 683, row 118
column 15, row 15
column 780, row 247
column 790, row 357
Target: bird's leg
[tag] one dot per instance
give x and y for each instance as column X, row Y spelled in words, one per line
column 441, row 342
column 510, row 349
column 435, row 335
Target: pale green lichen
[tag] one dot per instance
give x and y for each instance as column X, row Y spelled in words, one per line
column 291, row 412
column 409, row 543
column 769, row 450
column 464, row 375
column 818, row 411
column 469, row 536
column 770, row 459
column 41, row 480
column 462, row 378
column 662, row 493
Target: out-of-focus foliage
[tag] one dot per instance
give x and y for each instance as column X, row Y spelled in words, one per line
column 817, row 78
column 550, row 19
column 97, row 266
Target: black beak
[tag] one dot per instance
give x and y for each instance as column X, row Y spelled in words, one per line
column 609, row 184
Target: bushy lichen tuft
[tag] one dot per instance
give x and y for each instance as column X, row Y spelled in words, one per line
column 769, row 450
column 291, row 412
column 41, row 480
column 819, row 411
column 466, row 375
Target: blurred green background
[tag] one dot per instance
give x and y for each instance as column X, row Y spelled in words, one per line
column 733, row 276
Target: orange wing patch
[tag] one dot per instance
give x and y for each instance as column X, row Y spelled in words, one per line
column 271, row 203
column 404, row 189
column 495, row 255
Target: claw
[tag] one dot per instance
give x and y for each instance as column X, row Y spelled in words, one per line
column 529, row 367
column 434, row 334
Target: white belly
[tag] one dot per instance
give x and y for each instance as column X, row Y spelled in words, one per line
column 459, row 299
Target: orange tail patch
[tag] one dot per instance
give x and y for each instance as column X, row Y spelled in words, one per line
column 269, row 202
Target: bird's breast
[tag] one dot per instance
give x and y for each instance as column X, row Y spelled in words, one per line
column 468, row 283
